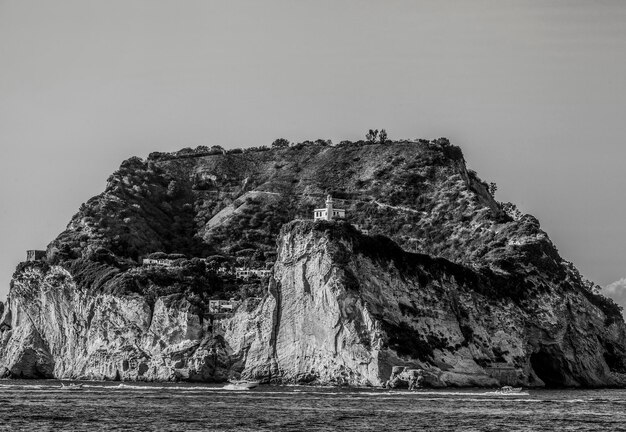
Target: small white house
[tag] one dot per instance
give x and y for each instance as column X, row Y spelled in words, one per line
column 223, row 271
column 329, row 213
column 35, row 255
column 246, row 273
column 157, row 262
column 222, row 306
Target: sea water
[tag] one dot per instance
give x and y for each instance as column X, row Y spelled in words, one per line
column 106, row 406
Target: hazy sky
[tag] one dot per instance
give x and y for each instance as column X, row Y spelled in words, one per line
column 533, row 91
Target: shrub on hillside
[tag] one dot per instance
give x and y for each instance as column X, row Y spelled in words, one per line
column 371, row 136
column 280, row 143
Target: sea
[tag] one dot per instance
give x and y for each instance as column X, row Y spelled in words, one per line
column 114, row 406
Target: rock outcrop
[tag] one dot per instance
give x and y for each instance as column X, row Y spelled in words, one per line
column 487, row 300
column 341, row 308
column 59, row 330
column 346, row 308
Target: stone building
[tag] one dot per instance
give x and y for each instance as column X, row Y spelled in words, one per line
column 247, row 273
column 35, row 255
column 222, row 306
column 157, row 262
column 330, row 212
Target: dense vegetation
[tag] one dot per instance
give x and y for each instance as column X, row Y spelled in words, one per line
column 227, row 208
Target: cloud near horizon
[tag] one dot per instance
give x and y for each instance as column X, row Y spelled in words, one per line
column 617, row 292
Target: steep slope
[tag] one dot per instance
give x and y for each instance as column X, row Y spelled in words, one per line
column 341, row 307
column 420, row 194
column 346, row 308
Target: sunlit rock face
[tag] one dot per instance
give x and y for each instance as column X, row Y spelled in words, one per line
column 346, row 308
column 483, row 299
column 59, row 331
column 341, row 308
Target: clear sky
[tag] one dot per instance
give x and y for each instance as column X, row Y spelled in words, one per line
column 533, row 91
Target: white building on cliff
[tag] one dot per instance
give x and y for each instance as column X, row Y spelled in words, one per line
column 329, row 213
column 247, row 273
column 157, row 262
column 35, row 255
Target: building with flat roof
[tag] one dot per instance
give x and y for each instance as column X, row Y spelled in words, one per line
column 222, row 306
column 35, row 255
column 157, row 262
column 246, row 273
column 330, row 212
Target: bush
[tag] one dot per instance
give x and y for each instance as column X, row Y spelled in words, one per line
column 323, row 142
column 449, row 150
column 132, row 163
column 382, row 136
column 155, row 156
column 371, row 136
column 280, row 143
column 511, row 210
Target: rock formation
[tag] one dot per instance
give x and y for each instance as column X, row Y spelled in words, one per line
column 483, row 298
column 59, row 330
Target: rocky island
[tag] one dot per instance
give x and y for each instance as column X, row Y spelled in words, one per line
column 206, row 264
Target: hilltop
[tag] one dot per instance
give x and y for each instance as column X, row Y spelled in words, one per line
column 208, row 209
column 229, row 207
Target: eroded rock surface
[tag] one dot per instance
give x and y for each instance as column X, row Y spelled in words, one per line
column 486, row 301
column 341, row 308
column 346, row 308
column 58, row 330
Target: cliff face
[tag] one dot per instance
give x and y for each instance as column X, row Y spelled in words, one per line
column 346, row 308
column 59, row 330
column 341, row 308
column 486, row 301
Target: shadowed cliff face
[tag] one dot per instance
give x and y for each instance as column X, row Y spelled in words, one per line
column 486, row 300
column 346, row 308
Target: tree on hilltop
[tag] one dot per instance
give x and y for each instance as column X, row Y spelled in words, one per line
column 511, row 209
column 371, row 136
column 323, row 142
column 280, row 143
column 382, row 136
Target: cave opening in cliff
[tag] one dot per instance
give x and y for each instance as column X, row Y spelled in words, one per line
column 548, row 368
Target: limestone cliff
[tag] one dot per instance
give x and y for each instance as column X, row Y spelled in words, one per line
column 486, row 301
column 58, row 330
column 345, row 308
column 341, row 308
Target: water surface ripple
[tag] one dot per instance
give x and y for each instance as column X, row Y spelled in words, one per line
column 45, row 406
